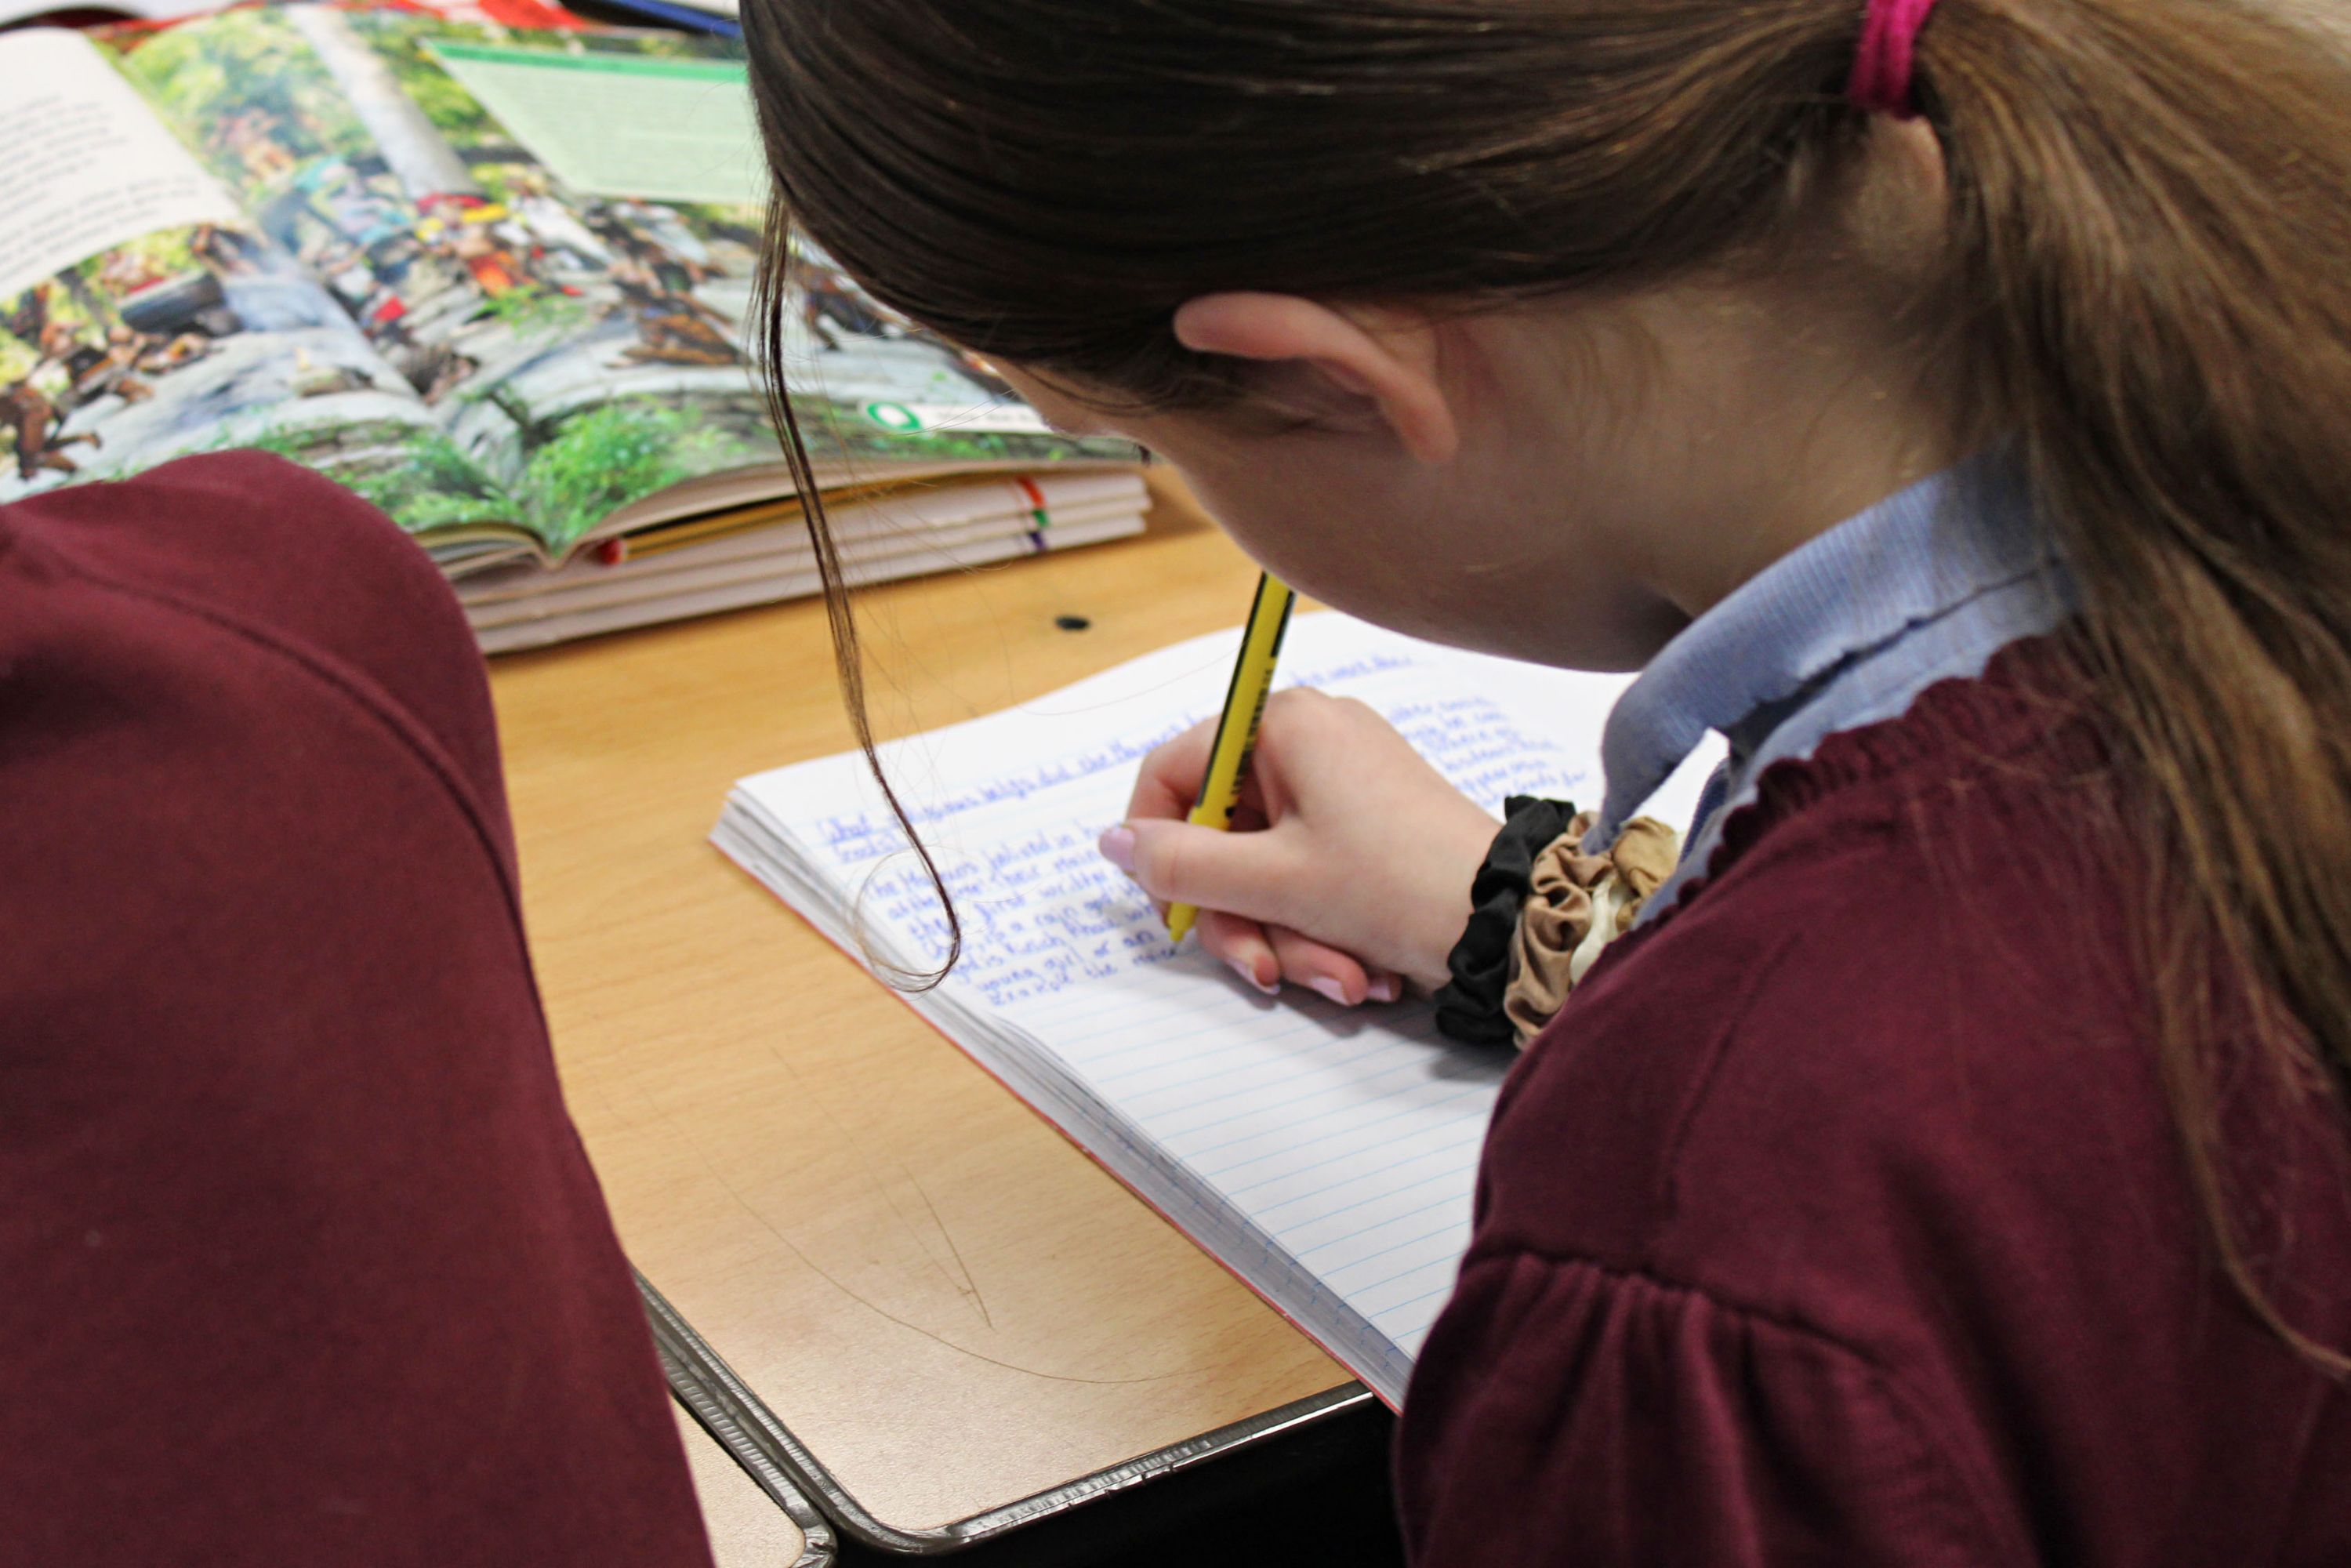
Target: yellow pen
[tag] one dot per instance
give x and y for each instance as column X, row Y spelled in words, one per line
column 1228, row 758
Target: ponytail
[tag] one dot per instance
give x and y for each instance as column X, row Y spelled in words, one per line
column 2151, row 202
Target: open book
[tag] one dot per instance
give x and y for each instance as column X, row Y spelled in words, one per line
column 1325, row 1155
column 499, row 282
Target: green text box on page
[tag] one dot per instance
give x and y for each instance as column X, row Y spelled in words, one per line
column 624, row 125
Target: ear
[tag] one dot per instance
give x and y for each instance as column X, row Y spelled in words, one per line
column 1386, row 358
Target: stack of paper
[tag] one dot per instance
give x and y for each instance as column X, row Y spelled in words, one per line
column 732, row 562
column 1326, row 1155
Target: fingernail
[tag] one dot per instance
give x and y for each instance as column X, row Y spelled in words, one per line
column 1383, row 989
column 1117, row 846
column 1329, row 988
column 1248, row 971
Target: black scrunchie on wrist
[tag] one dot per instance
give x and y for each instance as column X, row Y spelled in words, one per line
column 1469, row 1006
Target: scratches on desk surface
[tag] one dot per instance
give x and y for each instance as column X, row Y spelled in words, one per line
column 951, row 1267
column 870, row 1305
column 876, row 1254
column 969, row 1284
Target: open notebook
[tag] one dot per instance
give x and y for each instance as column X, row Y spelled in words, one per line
column 1325, row 1155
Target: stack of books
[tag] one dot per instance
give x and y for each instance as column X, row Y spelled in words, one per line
column 632, row 576
column 501, row 282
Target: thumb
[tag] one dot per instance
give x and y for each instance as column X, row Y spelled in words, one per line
column 1177, row 862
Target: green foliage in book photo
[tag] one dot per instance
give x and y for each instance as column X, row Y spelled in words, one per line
column 537, row 315
column 610, row 455
column 248, row 78
column 417, row 476
column 430, row 483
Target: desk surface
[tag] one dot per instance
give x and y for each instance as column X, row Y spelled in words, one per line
column 950, row 1305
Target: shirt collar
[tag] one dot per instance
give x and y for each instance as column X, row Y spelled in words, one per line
column 1752, row 659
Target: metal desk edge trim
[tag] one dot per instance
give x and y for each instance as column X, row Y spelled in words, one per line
column 748, row 1420
column 712, row 1413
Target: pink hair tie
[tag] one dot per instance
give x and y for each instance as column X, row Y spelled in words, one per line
column 1881, row 64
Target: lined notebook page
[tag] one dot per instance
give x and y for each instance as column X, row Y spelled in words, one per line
column 1327, row 1154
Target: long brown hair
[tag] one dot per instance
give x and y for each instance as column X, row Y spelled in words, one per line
column 2150, row 218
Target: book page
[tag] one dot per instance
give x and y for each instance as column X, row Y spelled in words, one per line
column 563, row 282
column 624, row 126
column 87, row 165
column 1347, row 1138
column 141, row 316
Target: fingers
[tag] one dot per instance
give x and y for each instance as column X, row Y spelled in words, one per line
column 1337, row 976
column 1168, row 783
column 1169, row 778
column 1268, row 955
column 1244, row 945
column 1247, row 874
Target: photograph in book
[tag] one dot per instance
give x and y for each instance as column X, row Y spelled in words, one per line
column 142, row 318
column 443, row 262
column 582, row 350
column 584, row 346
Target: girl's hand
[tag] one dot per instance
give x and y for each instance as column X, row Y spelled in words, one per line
column 1350, row 859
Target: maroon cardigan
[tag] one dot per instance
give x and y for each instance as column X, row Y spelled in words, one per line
column 300, row 1260
column 1839, row 1218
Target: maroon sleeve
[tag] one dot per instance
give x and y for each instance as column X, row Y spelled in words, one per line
column 1561, row 1413
column 1840, row 1216
column 303, row 1260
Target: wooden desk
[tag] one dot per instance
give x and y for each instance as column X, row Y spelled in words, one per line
column 950, row 1306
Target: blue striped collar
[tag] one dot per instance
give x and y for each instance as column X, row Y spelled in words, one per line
column 1841, row 632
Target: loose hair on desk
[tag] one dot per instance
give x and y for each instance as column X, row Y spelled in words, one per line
column 2148, row 206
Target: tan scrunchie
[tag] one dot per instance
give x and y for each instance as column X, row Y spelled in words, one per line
column 1578, row 903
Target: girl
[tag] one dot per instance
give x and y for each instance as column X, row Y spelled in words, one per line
column 1949, row 1165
